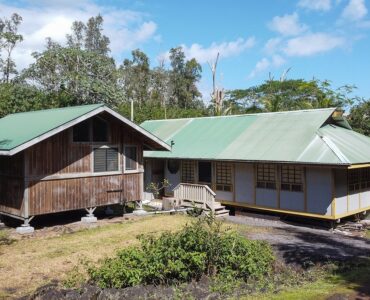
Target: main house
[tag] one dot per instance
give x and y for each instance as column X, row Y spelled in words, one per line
column 307, row 163
column 70, row 158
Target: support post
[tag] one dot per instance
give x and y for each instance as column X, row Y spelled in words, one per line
column 89, row 218
column 1, row 221
column 139, row 208
column 25, row 228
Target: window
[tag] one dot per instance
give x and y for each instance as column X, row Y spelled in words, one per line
column 105, row 159
column 291, row 178
column 93, row 130
column 358, row 179
column 81, row 132
column 99, row 130
column 266, row 176
column 205, row 172
column 187, row 172
column 130, row 158
column 365, row 178
column 224, row 177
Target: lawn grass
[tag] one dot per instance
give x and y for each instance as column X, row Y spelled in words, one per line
column 26, row 264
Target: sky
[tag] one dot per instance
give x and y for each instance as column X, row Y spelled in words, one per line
column 323, row 39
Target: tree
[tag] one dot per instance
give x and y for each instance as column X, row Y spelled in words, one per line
column 79, row 70
column 135, row 77
column 292, row 94
column 9, row 38
column 359, row 117
column 183, row 78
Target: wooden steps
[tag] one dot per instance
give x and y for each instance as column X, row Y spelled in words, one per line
column 220, row 210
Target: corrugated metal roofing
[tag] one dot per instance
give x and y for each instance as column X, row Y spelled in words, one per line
column 20, row 130
column 16, row 129
column 281, row 137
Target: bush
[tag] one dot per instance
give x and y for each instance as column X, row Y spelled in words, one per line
column 201, row 248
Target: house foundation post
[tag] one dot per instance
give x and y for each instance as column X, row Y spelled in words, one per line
column 25, row 228
column 2, row 225
column 89, row 218
column 139, row 210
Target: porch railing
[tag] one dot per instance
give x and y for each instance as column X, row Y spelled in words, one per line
column 198, row 193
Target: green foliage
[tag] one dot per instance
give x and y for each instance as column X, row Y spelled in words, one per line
column 359, row 117
column 281, row 95
column 157, row 187
column 152, row 111
column 201, row 248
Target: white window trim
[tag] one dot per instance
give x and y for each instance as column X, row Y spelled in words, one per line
column 136, row 170
column 97, row 146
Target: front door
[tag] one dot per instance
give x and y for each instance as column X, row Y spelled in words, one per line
column 205, row 173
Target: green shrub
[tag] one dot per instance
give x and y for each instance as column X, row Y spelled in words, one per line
column 201, row 248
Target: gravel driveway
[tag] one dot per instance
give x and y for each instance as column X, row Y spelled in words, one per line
column 303, row 245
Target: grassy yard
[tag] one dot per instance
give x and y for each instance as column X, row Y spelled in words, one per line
column 29, row 262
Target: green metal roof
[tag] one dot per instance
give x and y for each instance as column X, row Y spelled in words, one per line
column 277, row 137
column 17, row 129
column 20, row 130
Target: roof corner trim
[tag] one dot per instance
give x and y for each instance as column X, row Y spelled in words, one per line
column 335, row 149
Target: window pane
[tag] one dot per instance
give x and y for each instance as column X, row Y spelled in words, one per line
column 100, row 155
column 130, row 158
column 100, row 130
column 81, row 132
column 112, row 159
column 187, row 172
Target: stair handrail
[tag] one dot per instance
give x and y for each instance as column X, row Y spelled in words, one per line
column 200, row 193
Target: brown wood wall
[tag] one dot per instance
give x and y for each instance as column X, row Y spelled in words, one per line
column 78, row 193
column 11, row 184
column 58, row 175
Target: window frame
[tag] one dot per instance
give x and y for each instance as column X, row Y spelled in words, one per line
column 93, row 147
column 136, row 170
column 91, row 134
column 290, row 184
column 193, row 169
column 221, row 186
column 266, row 184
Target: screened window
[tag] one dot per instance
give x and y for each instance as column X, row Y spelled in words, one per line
column 99, row 130
column 224, row 177
column 130, row 158
column 365, row 178
column 187, row 172
column 291, row 178
column 81, row 132
column 93, row 130
column 105, row 159
column 266, row 176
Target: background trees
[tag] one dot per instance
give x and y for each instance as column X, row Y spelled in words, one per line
column 82, row 71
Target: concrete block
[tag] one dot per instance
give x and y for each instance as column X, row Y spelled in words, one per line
column 139, row 212
column 2, row 225
column 89, row 219
column 170, row 203
column 25, row 229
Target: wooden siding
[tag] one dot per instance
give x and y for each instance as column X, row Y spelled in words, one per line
column 11, row 184
column 57, row 175
column 51, row 196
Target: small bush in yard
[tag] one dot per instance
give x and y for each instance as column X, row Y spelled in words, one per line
column 201, row 248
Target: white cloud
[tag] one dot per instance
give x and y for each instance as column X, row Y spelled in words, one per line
column 311, row 44
column 355, row 10
column 265, row 64
column 272, row 45
column 320, row 5
column 126, row 29
column 287, row 25
column 205, row 54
